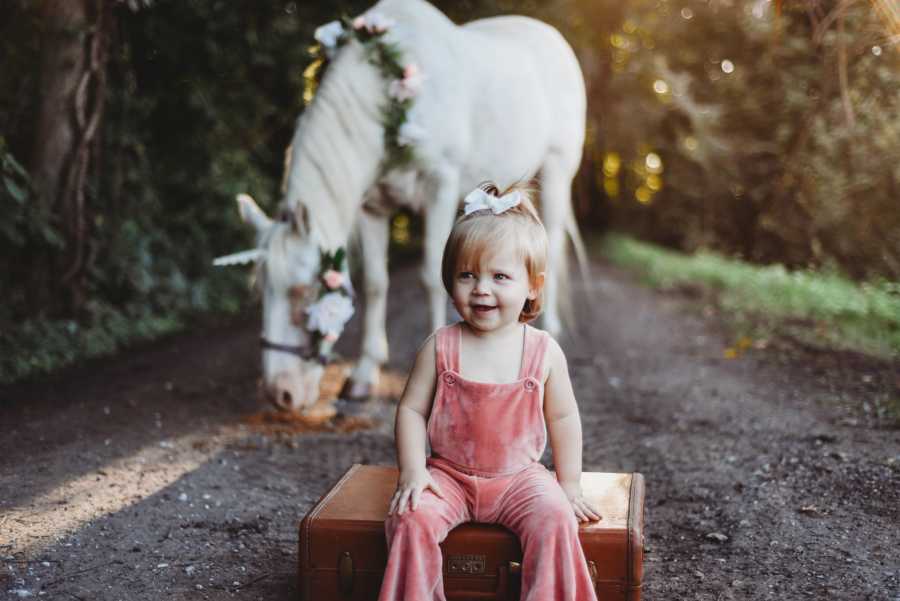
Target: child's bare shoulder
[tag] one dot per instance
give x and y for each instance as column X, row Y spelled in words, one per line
column 419, row 389
column 426, row 353
column 554, row 357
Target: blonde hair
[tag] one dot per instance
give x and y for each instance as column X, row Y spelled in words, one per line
column 480, row 232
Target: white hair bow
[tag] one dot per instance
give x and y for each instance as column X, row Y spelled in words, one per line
column 478, row 199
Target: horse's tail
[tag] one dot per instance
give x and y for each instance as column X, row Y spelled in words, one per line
column 566, row 306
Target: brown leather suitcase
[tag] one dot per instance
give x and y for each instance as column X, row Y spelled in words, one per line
column 343, row 549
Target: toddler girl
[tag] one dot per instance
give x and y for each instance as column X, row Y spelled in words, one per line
column 485, row 392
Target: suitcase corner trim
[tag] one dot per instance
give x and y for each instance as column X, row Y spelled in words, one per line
column 635, row 547
column 306, row 525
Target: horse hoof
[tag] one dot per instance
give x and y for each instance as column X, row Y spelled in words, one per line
column 356, row 391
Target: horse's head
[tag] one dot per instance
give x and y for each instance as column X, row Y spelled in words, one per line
column 296, row 336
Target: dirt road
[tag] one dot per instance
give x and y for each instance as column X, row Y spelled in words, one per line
column 772, row 475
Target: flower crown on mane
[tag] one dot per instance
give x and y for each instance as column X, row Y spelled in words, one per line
column 404, row 79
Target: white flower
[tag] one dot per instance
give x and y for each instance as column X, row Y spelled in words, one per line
column 329, row 34
column 410, row 134
column 330, row 313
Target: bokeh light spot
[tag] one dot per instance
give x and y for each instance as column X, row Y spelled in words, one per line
column 643, row 195
column 660, row 87
column 653, row 163
column 611, row 187
column 611, row 164
column 876, row 50
column 687, row 13
column 400, row 229
column 727, row 66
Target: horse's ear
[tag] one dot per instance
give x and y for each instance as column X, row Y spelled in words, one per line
column 287, row 165
column 300, row 219
column 250, row 212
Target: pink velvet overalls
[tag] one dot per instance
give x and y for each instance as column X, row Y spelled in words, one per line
column 486, row 440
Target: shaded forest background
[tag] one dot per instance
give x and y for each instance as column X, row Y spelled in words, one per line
column 766, row 131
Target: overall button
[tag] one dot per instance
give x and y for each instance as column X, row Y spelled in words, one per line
column 530, row 384
column 449, row 379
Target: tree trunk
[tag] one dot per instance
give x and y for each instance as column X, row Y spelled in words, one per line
column 72, row 94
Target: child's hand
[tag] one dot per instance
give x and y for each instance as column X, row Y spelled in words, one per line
column 584, row 510
column 410, row 488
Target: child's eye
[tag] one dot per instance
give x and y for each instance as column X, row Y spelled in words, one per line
column 501, row 276
column 464, row 275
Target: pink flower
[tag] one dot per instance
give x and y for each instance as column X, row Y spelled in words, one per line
column 409, row 86
column 333, row 279
column 375, row 23
column 378, row 23
column 410, row 71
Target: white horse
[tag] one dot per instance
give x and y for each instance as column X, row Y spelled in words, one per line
column 503, row 99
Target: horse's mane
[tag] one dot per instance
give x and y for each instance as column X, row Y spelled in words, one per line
column 338, row 143
column 337, row 147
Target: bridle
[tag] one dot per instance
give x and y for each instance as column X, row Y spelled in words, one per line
column 305, row 351
column 331, row 261
column 321, row 288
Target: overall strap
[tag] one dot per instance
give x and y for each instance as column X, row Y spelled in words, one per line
column 446, row 348
column 533, row 354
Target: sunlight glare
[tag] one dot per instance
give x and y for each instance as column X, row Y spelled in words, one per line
column 47, row 518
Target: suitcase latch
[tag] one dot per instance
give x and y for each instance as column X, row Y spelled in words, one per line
column 345, row 573
column 466, row 564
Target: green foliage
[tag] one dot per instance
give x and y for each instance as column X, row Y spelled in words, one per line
column 745, row 109
column 24, row 222
column 843, row 313
column 202, row 98
column 39, row 346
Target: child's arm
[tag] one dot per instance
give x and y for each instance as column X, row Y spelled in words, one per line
column 410, row 434
column 564, row 428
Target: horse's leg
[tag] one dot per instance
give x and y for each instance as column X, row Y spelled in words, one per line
column 440, row 212
column 556, row 198
column 373, row 233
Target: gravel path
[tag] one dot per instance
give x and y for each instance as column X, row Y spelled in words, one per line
column 773, row 475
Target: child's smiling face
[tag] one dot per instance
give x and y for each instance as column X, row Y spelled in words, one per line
column 490, row 296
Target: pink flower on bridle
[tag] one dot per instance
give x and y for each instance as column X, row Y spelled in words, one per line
column 333, row 279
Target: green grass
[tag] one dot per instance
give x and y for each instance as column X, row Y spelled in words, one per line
column 824, row 309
